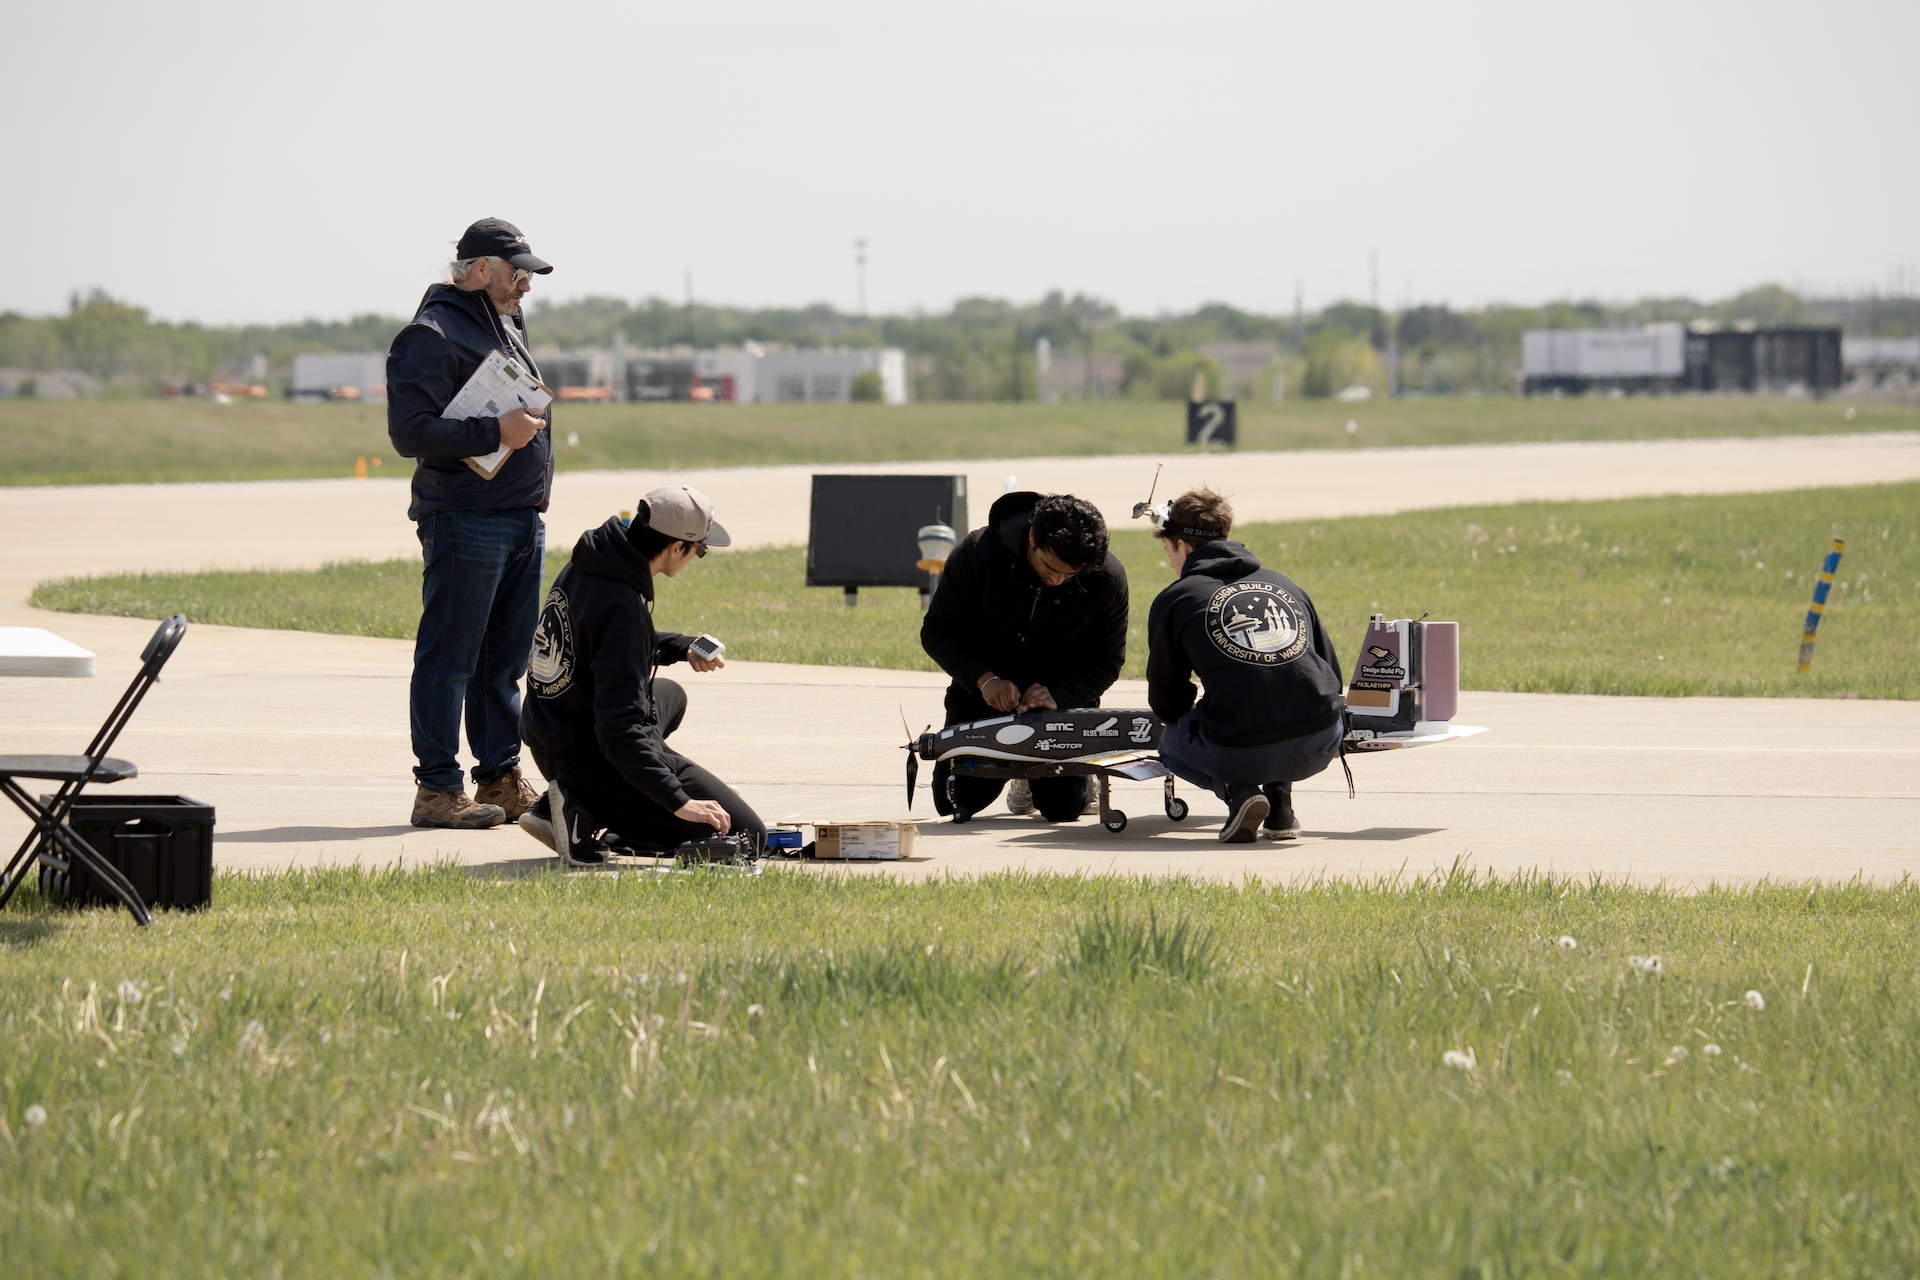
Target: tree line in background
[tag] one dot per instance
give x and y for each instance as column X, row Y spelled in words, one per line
column 981, row 349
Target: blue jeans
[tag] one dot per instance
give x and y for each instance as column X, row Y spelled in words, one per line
column 479, row 600
column 1185, row 750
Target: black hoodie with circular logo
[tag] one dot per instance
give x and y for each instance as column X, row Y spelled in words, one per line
column 1254, row 639
column 590, row 675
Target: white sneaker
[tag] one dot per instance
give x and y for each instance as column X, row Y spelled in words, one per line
column 1019, row 797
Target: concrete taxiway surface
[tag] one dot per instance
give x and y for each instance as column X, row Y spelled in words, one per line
column 300, row 742
column 60, row 530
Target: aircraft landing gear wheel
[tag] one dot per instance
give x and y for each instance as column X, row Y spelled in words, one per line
column 1114, row 821
column 953, row 802
column 1177, row 809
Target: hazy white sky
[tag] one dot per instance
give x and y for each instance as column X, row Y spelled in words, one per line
column 246, row 161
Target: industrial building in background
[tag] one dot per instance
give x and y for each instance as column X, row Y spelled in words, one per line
column 352, row 375
column 739, row 375
column 1670, row 357
column 1881, row 362
column 730, row 375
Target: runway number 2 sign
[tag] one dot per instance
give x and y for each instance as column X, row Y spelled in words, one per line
column 1212, row 422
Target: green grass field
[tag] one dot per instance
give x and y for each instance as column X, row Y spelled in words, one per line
column 129, row 441
column 1663, row 596
column 434, row 1073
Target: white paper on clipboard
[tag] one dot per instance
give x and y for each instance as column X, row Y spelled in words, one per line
column 500, row 385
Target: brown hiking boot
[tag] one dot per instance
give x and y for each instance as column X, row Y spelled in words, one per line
column 453, row 809
column 513, row 793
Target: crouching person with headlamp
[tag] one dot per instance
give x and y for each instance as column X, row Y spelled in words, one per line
column 596, row 716
column 1273, row 711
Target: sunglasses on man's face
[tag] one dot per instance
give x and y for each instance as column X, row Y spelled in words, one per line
column 700, row 550
column 520, row 276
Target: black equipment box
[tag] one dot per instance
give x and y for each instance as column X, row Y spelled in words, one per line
column 1213, row 422
column 163, row 844
column 863, row 530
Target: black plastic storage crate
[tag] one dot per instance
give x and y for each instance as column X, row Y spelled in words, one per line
column 163, row 844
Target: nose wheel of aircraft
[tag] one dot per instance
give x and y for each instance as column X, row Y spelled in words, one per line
column 1110, row 818
column 1176, row 807
column 953, row 801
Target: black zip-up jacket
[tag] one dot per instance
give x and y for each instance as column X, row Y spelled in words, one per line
column 1254, row 639
column 590, row 675
column 428, row 363
column 992, row 613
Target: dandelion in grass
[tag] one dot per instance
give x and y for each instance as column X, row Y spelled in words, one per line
column 131, row 991
column 253, row 1039
column 754, row 1011
column 1645, row 964
column 1677, row 1054
column 1709, row 1050
column 1756, row 1001
column 35, row 1115
column 1566, row 943
column 1459, row 1061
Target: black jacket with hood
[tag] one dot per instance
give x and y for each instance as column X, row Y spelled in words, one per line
column 992, row 613
column 430, row 360
column 1254, row 639
column 590, row 675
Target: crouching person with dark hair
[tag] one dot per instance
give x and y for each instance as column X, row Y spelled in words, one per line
column 596, row 716
column 1273, row 712
column 1030, row 615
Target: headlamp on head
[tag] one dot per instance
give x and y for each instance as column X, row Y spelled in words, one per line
column 1160, row 515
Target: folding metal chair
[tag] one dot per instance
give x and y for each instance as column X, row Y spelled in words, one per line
column 53, row 841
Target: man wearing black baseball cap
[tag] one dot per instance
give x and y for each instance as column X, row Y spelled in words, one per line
column 482, row 538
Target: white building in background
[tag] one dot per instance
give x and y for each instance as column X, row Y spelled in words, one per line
column 1574, row 359
column 357, row 375
column 729, row 375
column 788, row 377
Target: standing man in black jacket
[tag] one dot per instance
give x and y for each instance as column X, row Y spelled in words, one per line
column 1273, row 712
column 597, row 717
column 1030, row 614
column 483, row 540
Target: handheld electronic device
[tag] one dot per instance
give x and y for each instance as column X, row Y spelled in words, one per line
column 706, row 648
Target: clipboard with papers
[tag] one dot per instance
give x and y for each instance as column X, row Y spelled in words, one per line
column 500, row 385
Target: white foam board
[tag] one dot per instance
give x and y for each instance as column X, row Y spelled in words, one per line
column 31, row 651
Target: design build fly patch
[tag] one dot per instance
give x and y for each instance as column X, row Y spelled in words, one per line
column 1258, row 623
column 550, row 662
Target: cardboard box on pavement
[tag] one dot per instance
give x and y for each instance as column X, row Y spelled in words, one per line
column 864, row 841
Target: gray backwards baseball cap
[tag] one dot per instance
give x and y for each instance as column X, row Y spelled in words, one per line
column 685, row 513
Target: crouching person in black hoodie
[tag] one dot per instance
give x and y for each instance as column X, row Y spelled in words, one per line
column 1273, row 712
column 596, row 717
column 1030, row 615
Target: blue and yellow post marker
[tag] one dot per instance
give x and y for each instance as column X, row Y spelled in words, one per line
column 1819, row 605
